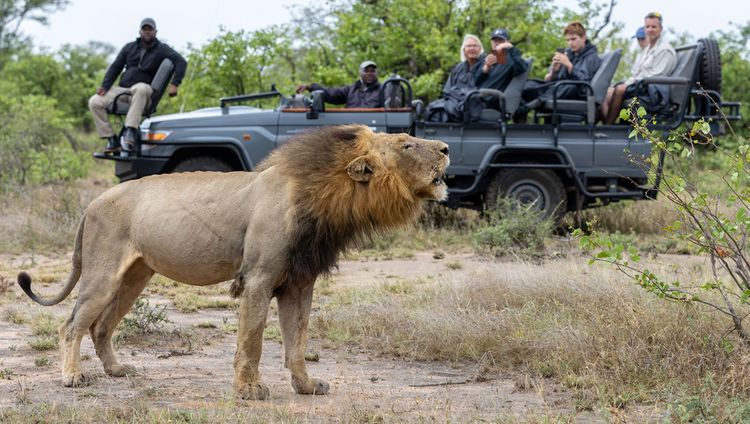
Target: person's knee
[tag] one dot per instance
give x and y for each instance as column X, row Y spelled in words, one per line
column 141, row 89
column 95, row 102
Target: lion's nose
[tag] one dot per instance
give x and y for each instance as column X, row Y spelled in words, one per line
column 444, row 150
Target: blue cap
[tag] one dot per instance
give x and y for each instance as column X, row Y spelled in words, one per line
column 640, row 33
column 500, row 33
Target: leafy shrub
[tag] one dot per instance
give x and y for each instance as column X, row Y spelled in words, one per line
column 512, row 228
column 28, row 126
column 713, row 219
column 143, row 319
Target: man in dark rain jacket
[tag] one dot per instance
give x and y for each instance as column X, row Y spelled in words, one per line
column 500, row 66
column 140, row 59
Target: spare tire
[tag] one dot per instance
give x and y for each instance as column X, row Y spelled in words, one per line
column 710, row 65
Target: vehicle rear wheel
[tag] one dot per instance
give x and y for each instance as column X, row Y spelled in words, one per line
column 202, row 163
column 710, row 65
column 539, row 187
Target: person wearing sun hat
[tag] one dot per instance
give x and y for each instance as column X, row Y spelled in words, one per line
column 363, row 93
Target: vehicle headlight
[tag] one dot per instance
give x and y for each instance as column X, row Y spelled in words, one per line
column 158, row 135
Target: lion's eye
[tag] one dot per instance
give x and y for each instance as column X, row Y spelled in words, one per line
column 407, row 146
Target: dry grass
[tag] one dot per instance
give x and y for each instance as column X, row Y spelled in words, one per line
column 45, row 218
column 596, row 333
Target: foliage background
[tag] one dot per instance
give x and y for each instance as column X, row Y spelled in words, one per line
column 44, row 94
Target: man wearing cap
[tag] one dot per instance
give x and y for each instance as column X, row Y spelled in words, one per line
column 659, row 58
column 365, row 92
column 140, row 59
column 493, row 74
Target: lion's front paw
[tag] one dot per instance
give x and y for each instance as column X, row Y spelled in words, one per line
column 78, row 379
column 253, row 391
column 119, row 370
column 313, row 386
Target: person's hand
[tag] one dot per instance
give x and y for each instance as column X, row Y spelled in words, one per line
column 489, row 61
column 172, row 90
column 563, row 60
column 302, row 87
column 504, row 46
column 101, row 91
column 558, row 60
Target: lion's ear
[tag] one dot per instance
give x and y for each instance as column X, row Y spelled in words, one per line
column 359, row 169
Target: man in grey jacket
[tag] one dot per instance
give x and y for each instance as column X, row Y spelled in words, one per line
column 659, row 58
column 364, row 92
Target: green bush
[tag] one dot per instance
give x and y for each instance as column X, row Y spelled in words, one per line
column 29, row 126
column 512, row 228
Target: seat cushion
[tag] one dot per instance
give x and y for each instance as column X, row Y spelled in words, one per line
column 576, row 106
column 489, row 115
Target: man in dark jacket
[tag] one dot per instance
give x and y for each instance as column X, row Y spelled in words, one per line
column 365, row 92
column 499, row 66
column 140, row 59
column 579, row 62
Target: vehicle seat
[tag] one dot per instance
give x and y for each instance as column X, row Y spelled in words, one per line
column 163, row 76
column 579, row 110
column 687, row 60
column 511, row 97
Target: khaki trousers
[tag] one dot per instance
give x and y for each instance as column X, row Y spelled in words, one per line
column 140, row 99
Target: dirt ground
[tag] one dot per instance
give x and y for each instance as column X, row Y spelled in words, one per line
column 201, row 376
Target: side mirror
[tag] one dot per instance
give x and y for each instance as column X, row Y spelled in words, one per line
column 318, row 104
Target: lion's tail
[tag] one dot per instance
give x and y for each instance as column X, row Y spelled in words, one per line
column 24, row 279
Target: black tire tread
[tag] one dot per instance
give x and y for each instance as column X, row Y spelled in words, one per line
column 710, row 65
column 202, row 163
column 546, row 177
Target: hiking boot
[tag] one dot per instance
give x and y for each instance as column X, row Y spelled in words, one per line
column 113, row 144
column 129, row 138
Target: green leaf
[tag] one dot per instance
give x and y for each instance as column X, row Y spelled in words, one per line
column 624, row 114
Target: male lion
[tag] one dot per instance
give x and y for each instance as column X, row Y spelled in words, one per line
column 272, row 231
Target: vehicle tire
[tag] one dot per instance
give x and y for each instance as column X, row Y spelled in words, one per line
column 539, row 186
column 202, row 163
column 710, row 65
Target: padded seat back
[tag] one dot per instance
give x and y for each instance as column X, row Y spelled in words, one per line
column 603, row 76
column 687, row 60
column 512, row 93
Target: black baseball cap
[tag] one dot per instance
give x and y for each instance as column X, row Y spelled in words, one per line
column 500, row 33
column 148, row 21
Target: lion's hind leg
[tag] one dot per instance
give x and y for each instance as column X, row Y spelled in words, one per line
column 295, row 302
column 133, row 282
column 97, row 289
column 87, row 308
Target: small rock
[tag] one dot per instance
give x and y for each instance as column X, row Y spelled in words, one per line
column 312, row 357
column 438, row 254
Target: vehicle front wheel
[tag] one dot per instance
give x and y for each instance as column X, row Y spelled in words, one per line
column 202, row 163
column 539, row 187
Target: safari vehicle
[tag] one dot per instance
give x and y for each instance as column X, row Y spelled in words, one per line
column 561, row 161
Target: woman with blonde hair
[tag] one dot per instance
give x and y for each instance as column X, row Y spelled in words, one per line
column 460, row 81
